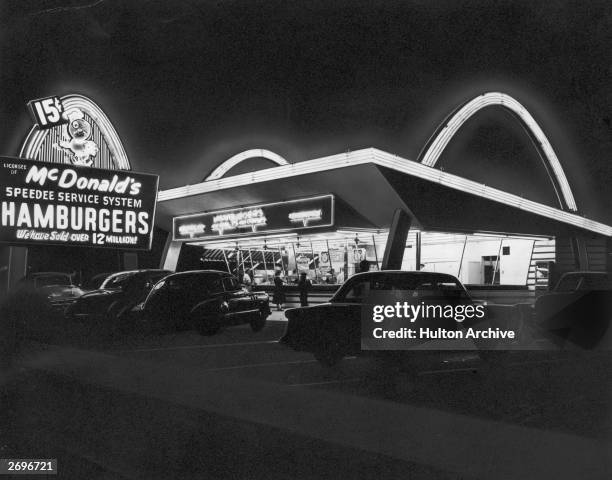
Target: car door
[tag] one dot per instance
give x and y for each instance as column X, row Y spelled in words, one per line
column 239, row 302
column 174, row 297
column 343, row 315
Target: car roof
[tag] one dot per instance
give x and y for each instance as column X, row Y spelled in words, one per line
column 405, row 272
column 202, row 272
column 145, row 270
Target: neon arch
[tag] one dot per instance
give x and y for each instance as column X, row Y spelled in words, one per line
column 230, row 163
column 446, row 131
column 36, row 137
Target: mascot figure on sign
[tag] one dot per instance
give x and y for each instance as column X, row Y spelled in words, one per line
column 76, row 141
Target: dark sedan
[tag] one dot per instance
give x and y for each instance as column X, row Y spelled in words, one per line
column 204, row 300
column 333, row 330
column 118, row 294
column 58, row 288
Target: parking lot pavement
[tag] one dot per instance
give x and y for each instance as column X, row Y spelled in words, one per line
column 523, row 388
column 524, row 400
column 506, row 424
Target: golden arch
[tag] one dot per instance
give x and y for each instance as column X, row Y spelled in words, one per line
column 230, row 163
column 446, row 131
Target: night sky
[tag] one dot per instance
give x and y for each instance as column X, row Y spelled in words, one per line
column 189, row 84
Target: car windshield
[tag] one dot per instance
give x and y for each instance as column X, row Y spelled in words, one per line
column 119, row 280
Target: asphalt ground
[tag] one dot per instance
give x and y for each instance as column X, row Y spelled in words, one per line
column 518, row 412
column 562, row 391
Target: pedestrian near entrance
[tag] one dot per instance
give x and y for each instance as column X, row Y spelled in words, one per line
column 304, row 285
column 340, row 277
column 279, row 291
column 247, row 281
column 364, row 266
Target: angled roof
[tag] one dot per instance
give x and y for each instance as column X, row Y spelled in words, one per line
column 374, row 183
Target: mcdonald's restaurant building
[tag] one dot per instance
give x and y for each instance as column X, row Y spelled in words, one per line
column 328, row 217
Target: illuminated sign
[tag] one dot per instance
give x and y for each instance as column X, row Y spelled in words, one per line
column 192, row 229
column 359, row 254
column 324, row 257
column 73, row 129
column 248, row 218
column 289, row 216
column 76, row 144
column 303, row 263
column 306, row 216
column 43, row 203
column 48, row 112
column 336, row 255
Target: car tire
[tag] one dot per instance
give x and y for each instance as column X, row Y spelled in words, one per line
column 209, row 325
column 258, row 322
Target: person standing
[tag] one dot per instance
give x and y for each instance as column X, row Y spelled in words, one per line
column 279, row 291
column 304, row 285
column 364, row 266
column 247, row 281
column 340, row 277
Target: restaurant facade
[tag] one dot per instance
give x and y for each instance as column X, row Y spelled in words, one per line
column 339, row 215
column 328, row 217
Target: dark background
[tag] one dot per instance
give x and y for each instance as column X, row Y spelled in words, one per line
column 189, row 84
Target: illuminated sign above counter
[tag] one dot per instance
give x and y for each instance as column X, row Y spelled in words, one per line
column 289, row 216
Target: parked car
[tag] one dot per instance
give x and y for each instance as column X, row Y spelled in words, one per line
column 204, row 300
column 58, row 287
column 95, row 282
column 118, row 294
column 333, row 330
column 578, row 310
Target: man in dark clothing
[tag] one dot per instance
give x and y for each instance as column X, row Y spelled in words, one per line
column 279, row 291
column 304, row 285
